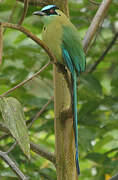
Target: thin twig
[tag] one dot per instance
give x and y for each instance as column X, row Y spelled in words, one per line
column 25, row 81
column 42, row 152
column 40, row 112
column 12, row 147
column 26, row 2
column 1, row 42
column 111, row 150
column 93, row 67
column 11, row 15
column 13, row 166
column 12, row 12
column 95, row 3
column 33, row 37
column 98, row 18
column 35, row 148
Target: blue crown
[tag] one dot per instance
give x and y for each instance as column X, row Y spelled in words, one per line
column 48, row 7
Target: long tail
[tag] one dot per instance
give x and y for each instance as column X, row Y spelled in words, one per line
column 75, row 119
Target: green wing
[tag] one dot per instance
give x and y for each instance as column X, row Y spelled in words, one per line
column 72, row 44
column 74, row 58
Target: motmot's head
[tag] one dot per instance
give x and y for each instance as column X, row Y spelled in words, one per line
column 49, row 13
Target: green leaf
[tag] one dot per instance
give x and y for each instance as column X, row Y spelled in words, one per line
column 92, row 84
column 14, row 120
column 102, row 142
column 97, row 157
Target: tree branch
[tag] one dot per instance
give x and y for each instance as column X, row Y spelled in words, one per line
column 95, row 3
column 24, row 12
column 35, row 148
column 49, row 156
column 33, row 37
column 25, row 81
column 40, row 112
column 12, row 147
column 11, row 15
column 13, row 166
column 93, row 67
column 98, row 18
column 111, row 150
column 1, row 42
column 13, row 12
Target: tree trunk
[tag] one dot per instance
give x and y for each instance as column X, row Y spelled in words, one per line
column 64, row 136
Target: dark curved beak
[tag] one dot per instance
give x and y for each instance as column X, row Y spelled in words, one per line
column 39, row 13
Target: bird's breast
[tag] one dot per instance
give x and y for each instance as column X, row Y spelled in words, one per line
column 52, row 36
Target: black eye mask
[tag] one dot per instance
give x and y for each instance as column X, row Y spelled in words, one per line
column 50, row 11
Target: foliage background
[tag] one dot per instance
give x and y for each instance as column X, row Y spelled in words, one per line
column 97, row 93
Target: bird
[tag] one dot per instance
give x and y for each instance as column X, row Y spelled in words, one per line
column 62, row 38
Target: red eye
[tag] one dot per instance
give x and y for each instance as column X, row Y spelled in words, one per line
column 51, row 11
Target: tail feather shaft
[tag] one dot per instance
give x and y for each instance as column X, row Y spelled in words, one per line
column 75, row 120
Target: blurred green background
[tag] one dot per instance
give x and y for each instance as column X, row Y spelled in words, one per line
column 97, row 92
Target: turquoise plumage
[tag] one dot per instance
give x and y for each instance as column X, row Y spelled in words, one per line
column 70, row 66
column 66, row 46
column 72, row 54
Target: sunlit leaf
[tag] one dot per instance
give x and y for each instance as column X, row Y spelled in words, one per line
column 14, row 120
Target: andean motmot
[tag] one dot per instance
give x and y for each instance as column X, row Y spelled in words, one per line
column 61, row 37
